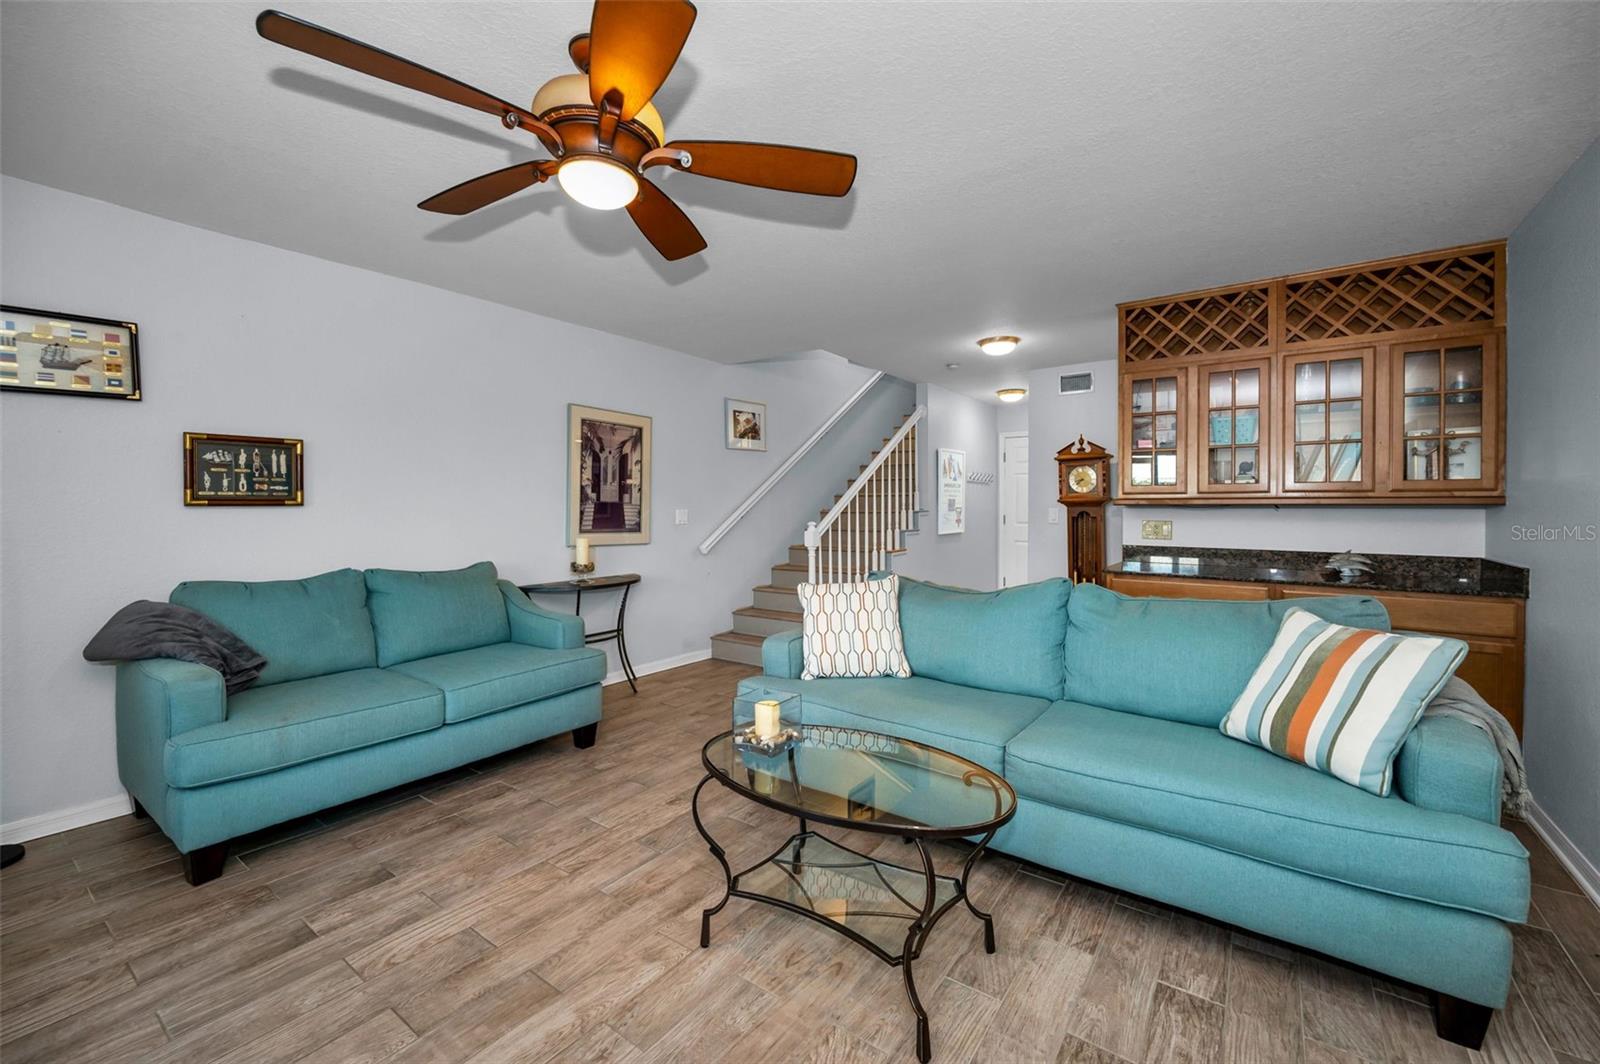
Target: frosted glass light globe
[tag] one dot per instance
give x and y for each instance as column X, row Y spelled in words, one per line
column 596, row 183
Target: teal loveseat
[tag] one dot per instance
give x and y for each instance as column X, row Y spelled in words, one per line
column 1102, row 711
column 372, row 680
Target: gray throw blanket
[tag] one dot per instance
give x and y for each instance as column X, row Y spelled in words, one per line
column 146, row 629
column 1458, row 699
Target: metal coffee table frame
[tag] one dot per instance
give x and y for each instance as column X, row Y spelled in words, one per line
column 920, row 921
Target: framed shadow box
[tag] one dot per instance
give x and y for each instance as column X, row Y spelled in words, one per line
column 224, row 470
column 62, row 354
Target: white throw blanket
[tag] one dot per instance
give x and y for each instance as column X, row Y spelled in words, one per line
column 1458, row 699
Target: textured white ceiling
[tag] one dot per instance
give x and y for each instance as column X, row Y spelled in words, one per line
column 1024, row 166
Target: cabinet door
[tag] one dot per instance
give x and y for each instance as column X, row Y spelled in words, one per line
column 1446, row 416
column 1327, row 425
column 1155, row 431
column 1235, row 452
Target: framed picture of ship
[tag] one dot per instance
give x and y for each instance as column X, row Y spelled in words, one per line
column 608, row 476
column 223, row 470
column 62, row 354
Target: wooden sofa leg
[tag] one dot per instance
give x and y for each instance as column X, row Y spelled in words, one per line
column 205, row 864
column 139, row 812
column 1462, row 1022
column 584, row 737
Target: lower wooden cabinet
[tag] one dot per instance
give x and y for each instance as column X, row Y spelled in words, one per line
column 1492, row 627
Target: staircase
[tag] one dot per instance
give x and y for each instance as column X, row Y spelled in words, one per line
column 864, row 527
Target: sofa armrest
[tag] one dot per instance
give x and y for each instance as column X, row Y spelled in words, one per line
column 538, row 627
column 1450, row 766
column 158, row 698
column 783, row 655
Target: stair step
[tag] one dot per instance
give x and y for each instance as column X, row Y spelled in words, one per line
column 771, row 597
column 789, row 575
column 754, row 620
column 737, row 646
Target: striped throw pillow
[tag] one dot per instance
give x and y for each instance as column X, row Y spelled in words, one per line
column 852, row 630
column 1341, row 700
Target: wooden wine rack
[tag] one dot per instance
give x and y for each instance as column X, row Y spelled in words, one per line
column 1203, row 324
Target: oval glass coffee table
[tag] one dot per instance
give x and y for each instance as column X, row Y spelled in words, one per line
column 868, row 782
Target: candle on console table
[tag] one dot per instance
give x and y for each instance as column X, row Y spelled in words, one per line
column 767, row 719
column 580, row 548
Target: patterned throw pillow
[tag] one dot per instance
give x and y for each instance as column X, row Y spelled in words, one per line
column 853, row 629
column 1341, row 700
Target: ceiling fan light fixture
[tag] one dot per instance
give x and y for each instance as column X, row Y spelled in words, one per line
column 998, row 345
column 1012, row 395
column 598, row 183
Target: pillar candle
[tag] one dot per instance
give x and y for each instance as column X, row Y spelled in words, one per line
column 581, row 547
column 766, row 719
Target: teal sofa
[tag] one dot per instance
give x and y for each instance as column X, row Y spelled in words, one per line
column 1102, row 711
column 373, row 679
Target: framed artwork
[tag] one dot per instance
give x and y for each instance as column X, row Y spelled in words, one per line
column 952, row 491
column 608, row 476
column 59, row 354
column 745, row 423
column 223, row 470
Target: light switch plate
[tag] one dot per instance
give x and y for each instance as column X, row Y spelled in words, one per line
column 680, row 517
column 1155, row 530
column 1055, row 516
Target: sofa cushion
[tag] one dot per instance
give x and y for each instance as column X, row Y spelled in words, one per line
column 420, row 614
column 852, row 629
column 1193, row 782
column 1182, row 659
column 1341, row 700
column 302, row 627
column 269, row 728
column 486, row 679
column 972, row 723
column 1009, row 640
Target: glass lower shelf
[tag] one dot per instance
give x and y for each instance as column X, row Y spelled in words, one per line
column 872, row 901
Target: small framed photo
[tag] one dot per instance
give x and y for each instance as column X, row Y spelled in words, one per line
column 746, row 424
column 62, row 354
column 223, row 470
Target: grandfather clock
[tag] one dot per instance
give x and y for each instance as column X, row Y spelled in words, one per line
column 1085, row 471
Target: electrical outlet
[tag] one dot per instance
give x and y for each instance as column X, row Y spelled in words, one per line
column 1055, row 516
column 1155, row 530
column 680, row 517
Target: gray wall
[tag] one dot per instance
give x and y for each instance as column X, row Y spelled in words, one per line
column 1553, row 490
column 435, row 436
column 970, row 558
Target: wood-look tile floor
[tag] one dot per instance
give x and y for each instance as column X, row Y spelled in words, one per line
column 545, row 905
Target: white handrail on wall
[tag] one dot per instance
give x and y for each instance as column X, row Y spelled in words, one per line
column 865, row 525
column 788, row 464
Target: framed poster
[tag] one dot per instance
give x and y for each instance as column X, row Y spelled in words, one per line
column 59, row 354
column 745, row 423
column 224, row 470
column 952, row 491
column 608, row 476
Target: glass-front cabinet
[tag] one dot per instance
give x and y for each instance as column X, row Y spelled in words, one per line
column 1328, row 403
column 1446, row 415
column 1238, row 450
column 1155, row 431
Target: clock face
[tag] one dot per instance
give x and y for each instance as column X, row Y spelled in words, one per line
column 1082, row 479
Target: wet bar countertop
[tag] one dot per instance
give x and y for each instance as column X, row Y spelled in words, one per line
column 1390, row 572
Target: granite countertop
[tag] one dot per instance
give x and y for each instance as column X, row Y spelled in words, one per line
column 1390, row 572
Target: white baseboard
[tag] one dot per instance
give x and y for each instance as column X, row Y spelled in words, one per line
column 1573, row 860
column 35, row 827
column 617, row 676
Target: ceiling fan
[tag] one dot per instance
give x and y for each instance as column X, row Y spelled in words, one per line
column 598, row 124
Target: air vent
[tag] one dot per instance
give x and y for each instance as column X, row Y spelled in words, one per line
column 1076, row 383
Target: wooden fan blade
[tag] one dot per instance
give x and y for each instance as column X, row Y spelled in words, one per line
column 311, row 39
column 664, row 224
column 810, row 170
column 632, row 47
column 488, row 188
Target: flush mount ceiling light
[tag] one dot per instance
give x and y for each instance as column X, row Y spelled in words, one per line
column 599, row 126
column 998, row 345
column 1012, row 395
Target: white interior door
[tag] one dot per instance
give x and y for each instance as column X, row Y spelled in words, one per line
column 1013, row 509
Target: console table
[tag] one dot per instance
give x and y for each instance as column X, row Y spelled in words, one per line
column 576, row 587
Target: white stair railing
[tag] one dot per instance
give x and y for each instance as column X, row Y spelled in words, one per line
column 865, row 525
